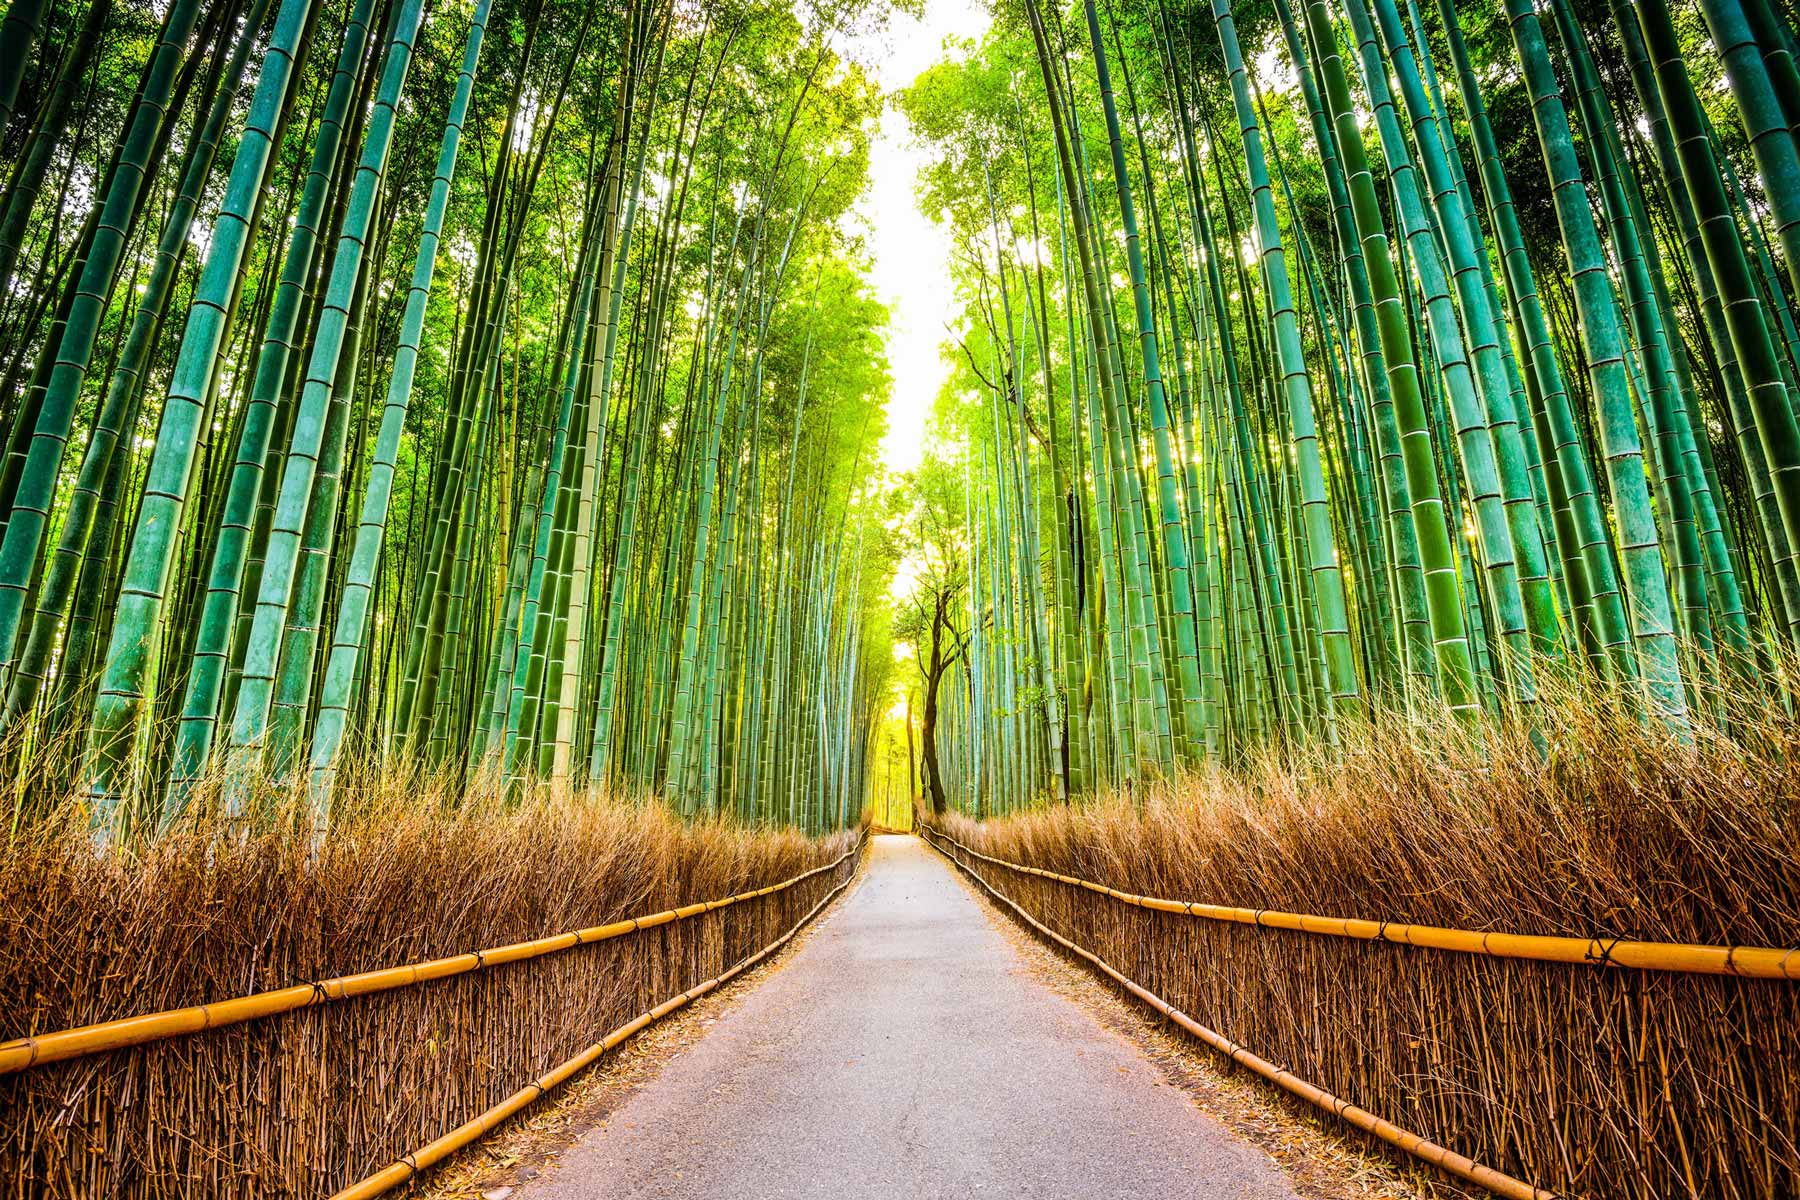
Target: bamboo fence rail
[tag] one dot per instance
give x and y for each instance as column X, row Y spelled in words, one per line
column 1745, row 962
column 287, row 1093
column 1669, row 1080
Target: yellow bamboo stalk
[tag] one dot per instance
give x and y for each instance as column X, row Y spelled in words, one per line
column 1497, row 1182
column 410, row 1165
column 23, row 1053
column 1746, row 962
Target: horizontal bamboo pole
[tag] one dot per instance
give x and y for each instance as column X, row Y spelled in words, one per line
column 420, row 1160
column 1460, row 1165
column 24, row 1053
column 1747, row 962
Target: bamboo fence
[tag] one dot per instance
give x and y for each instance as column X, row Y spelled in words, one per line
column 1655, row 1070
column 290, row 1092
column 408, row 1166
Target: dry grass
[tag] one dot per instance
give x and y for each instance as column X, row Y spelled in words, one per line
column 306, row 1102
column 1588, row 1082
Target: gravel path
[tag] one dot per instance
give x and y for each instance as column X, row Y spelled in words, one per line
column 906, row 1050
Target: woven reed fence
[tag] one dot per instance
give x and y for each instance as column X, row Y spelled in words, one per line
column 309, row 1101
column 1575, row 1074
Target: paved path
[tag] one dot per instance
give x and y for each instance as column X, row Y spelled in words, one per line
column 907, row 1051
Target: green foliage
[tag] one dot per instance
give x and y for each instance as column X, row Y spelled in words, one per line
column 1416, row 391
column 704, row 317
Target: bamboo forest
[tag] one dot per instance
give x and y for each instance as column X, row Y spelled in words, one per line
column 1292, row 504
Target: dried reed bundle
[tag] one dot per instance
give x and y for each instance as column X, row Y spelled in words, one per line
column 306, row 1102
column 1586, row 1082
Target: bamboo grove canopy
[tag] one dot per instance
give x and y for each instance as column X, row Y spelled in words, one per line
column 493, row 387
column 1328, row 361
column 478, row 386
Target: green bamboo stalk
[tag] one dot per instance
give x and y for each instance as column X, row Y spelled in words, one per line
column 255, row 692
column 1646, row 583
column 200, row 710
column 28, row 516
column 1443, row 591
column 130, row 657
column 1765, row 389
column 61, row 574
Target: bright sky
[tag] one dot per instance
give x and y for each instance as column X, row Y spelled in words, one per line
column 911, row 252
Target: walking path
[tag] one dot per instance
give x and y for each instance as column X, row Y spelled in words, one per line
column 906, row 1050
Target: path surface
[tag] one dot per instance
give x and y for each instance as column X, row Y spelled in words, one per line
column 905, row 1051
